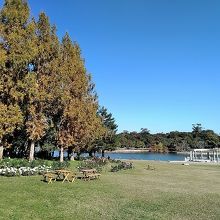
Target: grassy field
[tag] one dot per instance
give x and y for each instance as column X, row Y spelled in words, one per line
column 168, row 192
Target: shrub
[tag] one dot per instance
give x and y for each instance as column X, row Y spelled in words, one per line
column 17, row 163
column 22, row 167
column 95, row 163
column 23, row 171
column 121, row 166
column 56, row 165
column 13, row 163
column 36, row 163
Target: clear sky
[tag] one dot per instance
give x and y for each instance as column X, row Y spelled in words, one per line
column 155, row 63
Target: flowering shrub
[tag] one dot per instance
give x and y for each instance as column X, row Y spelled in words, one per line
column 24, row 171
column 22, row 167
column 14, row 163
column 17, row 163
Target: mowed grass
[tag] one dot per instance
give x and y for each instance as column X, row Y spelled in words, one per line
column 171, row 191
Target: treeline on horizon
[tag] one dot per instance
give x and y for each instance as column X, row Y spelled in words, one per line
column 174, row 141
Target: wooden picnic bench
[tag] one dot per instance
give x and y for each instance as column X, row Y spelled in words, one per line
column 89, row 174
column 93, row 176
column 64, row 175
column 49, row 177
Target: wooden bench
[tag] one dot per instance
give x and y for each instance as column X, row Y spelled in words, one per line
column 71, row 177
column 92, row 176
column 48, row 177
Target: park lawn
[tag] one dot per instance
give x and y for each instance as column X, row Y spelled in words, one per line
column 171, row 191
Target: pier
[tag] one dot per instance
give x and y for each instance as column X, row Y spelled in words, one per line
column 205, row 155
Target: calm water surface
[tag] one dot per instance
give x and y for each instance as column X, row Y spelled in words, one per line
column 140, row 156
column 146, row 156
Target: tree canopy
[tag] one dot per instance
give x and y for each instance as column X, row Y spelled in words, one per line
column 44, row 85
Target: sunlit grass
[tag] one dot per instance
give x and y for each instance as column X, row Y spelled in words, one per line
column 168, row 192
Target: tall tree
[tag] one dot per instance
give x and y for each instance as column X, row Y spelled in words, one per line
column 197, row 128
column 38, row 93
column 107, row 142
column 75, row 117
column 17, row 48
column 43, row 83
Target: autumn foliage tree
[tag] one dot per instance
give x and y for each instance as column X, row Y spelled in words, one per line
column 44, row 84
column 76, row 119
column 17, row 51
column 10, row 118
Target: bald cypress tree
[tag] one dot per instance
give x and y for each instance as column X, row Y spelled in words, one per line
column 78, row 121
column 17, row 49
column 44, row 83
column 39, row 93
column 10, row 118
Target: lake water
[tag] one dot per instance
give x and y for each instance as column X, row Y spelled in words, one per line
column 140, row 156
column 147, row 156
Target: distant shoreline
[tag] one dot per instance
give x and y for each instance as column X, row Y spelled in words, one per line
column 138, row 151
column 129, row 151
column 183, row 152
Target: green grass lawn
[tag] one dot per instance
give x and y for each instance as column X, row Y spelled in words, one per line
column 168, row 192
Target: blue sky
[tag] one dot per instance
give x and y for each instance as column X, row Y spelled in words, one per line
column 155, row 63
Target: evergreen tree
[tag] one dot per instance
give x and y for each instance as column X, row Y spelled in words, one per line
column 107, row 142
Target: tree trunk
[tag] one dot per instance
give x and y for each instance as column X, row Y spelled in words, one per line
column 70, row 152
column 52, row 155
column 72, row 157
column 1, row 151
column 103, row 153
column 78, row 155
column 61, row 154
column 31, row 155
column 90, row 153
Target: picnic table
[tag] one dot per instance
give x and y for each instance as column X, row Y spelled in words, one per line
column 89, row 174
column 66, row 175
column 49, row 177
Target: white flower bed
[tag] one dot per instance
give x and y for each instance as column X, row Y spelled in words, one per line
column 24, row 171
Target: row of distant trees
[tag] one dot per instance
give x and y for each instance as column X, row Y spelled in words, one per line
column 169, row 142
column 47, row 98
